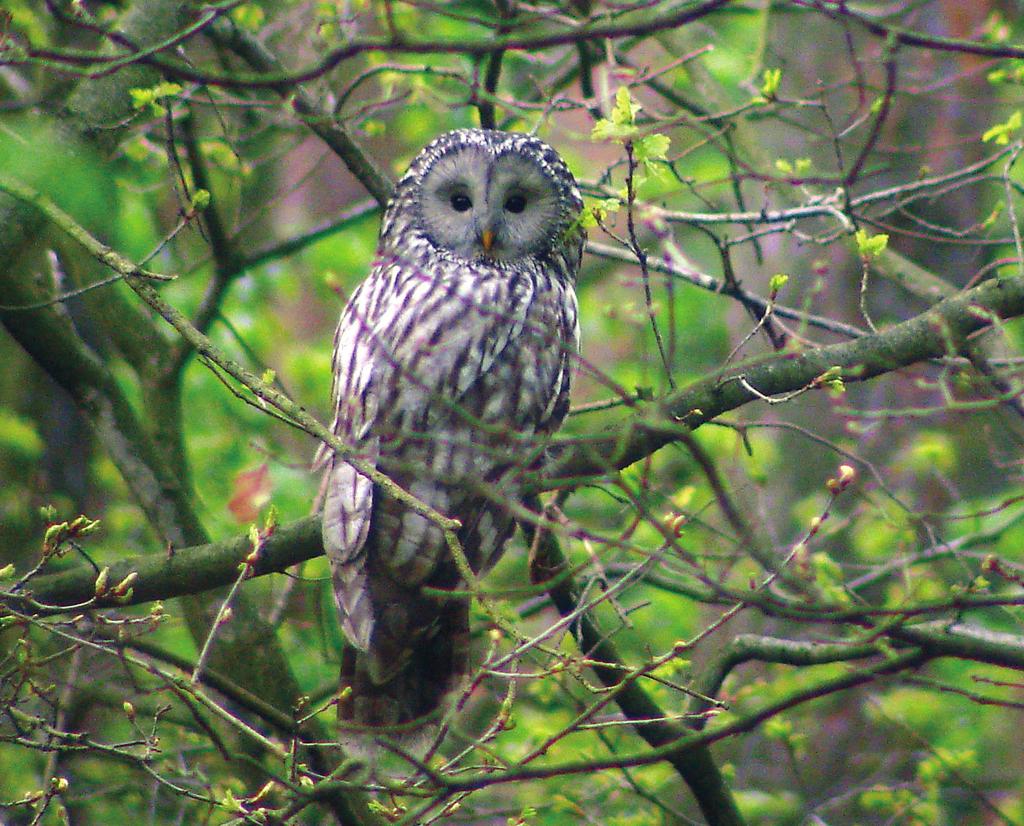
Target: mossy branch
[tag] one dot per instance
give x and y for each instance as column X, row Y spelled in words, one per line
column 179, row 572
column 138, row 280
column 940, row 331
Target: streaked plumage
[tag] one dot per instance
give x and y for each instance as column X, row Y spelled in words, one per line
column 452, row 354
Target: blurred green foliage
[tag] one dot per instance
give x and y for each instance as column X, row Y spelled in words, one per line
column 924, row 751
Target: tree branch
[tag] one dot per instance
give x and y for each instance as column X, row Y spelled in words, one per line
column 400, row 42
column 139, row 280
column 179, row 572
column 693, row 741
column 321, row 122
column 695, row 766
column 940, row 331
column 246, row 648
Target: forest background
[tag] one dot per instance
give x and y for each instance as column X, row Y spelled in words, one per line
column 779, row 572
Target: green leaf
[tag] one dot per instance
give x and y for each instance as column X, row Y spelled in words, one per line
column 652, row 148
column 151, row 96
column 232, row 803
column 770, row 83
column 606, row 130
column 622, row 124
column 144, row 96
column 595, row 213
column 249, row 16
column 1000, row 133
column 870, row 246
column 798, row 166
column 200, row 199
column 777, row 282
column 625, row 109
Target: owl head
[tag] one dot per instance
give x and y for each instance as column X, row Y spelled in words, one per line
column 485, row 195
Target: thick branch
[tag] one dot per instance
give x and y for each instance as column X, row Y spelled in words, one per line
column 320, row 121
column 181, row 572
column 696, row 766
column 246, row 648
column 207, row 567
column 746, row 647
column 630, row 25
column 940, row 331
column 943, row 639
column 924, row 40
column 747, row 722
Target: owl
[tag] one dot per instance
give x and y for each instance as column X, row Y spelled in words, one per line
column 452, row 363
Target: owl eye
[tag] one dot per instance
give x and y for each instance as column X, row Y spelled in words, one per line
column 515, row 203
column 461, row 202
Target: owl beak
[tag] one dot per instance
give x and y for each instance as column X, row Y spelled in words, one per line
column 487, row 239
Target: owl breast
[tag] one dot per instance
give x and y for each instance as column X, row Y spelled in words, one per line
column 478, row 357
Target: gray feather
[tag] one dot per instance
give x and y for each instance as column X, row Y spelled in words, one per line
column 346, row 521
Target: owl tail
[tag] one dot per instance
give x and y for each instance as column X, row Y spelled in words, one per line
column 400, row 686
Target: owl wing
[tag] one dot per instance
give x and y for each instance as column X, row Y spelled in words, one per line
column 384, row 348
column 348, row 499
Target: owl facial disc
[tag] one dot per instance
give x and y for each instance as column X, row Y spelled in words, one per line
column 479, row 203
